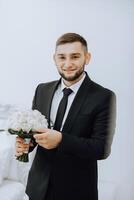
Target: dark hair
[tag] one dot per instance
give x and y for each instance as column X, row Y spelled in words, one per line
column 70, row 38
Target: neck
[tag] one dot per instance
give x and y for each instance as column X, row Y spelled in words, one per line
column 69, row 83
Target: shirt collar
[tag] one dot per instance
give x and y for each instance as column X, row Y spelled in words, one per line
column 75, row 86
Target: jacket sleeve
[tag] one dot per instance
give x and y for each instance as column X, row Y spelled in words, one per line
column 34, row 106
column 98, row 145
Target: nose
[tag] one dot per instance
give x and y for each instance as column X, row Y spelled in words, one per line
column 68, row 63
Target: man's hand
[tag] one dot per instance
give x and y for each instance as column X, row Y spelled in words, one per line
column 47, row 138
column 21, row 147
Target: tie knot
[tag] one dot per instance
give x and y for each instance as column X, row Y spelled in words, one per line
column 67, row 91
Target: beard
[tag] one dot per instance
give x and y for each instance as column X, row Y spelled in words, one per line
column 73, row 77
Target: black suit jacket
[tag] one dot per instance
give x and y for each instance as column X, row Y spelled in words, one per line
column 87, row 137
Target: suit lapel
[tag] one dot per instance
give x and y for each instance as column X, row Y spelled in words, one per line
column 77, row 103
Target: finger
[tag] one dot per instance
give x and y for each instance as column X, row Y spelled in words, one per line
column 22, row 148
column 21, row 145
column 40, row 136
column 20, row 151
column 40, row 142
column 18, row 154
column 18, row 139
column 42, row 130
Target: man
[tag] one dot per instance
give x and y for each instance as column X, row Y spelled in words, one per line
column 81, row 122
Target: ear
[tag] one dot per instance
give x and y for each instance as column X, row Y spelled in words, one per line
column 88, row 57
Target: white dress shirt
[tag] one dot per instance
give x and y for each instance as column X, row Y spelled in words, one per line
column 58, row 96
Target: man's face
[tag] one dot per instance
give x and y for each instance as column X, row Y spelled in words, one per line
column 70, row 59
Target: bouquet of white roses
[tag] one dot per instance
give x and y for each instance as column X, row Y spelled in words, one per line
column 25, row 124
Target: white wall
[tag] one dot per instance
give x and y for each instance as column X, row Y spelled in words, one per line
column 28, row 31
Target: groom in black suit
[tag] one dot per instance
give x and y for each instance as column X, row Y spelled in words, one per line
column 81, row 118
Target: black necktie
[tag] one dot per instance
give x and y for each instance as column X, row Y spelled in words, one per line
column 62, row 109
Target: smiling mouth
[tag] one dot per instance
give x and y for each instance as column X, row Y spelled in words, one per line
column 68, row 71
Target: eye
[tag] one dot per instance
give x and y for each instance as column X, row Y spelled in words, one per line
column 75, row 57
column 62, row 58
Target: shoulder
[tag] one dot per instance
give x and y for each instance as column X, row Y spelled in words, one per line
column 99, row 94
column 47, row 85
column 102, row 90
column 97, row 89
column 100, row 97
